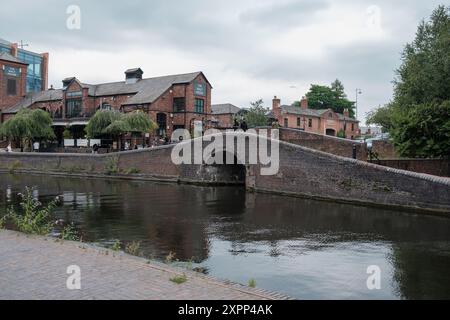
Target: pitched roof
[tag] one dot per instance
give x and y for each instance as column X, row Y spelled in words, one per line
column 30, row 98
column 8, row 57
column 225, row 108
column 312, row 112
column 143, row 91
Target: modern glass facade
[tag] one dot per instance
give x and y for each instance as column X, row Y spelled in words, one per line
column 34, row 71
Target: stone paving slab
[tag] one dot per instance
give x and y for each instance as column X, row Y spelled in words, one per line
column 33, row 267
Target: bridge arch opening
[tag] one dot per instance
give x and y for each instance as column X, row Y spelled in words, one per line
column 225, row 173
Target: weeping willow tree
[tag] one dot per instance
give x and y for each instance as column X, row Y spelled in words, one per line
column 28, row 126
column 114, row 124
column 100, row 121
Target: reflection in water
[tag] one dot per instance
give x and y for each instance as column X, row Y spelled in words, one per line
column 304, row 248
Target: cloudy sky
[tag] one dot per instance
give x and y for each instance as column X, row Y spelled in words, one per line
column 248, row 49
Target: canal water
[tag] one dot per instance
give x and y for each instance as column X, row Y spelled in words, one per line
column 305, row 249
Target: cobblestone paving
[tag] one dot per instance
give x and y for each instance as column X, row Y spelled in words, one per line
column 34, row 267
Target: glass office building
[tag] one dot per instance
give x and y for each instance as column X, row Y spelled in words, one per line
column 35, row 77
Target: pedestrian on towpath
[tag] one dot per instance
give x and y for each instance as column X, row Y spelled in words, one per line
column 244, row 126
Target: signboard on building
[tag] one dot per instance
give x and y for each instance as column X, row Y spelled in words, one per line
column 199, row 89
column 11, row 71
column 198, row 128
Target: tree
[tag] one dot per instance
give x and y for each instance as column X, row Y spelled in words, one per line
column 423, row 130
column 113, row 123
column 100, row 121
column 28, row 125
column 333, row 97
column 418, row 116
column 256, row 115
column 381, row 116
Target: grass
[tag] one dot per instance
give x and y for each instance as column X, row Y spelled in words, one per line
column 117, row 245
column 133, row 248
column 170, row 257
column 179, row 279
column 70, row 233
column 252, row 283
column 132, row 170
column 112, row 166
column 16, row 165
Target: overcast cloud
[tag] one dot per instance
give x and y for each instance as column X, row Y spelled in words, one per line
column 248, row 49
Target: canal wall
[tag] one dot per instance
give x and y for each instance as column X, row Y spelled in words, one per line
column 303, row 172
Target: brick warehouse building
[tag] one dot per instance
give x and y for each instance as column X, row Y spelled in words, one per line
column 323, row 121
column 175, row 101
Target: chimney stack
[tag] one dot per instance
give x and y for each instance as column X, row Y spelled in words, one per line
column 276, row 107
column 276, row 103
column 304, row 103
column 346, row 113
column 14, row 47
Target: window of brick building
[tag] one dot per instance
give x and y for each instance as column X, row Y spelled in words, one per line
column 299, row 122
column 199, row 105
column 353, row 127
column 286, row 122
column 179, row 104
column 310, row 123
column 11, row 88
column 106, row 106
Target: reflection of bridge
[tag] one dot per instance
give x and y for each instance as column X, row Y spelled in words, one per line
column 302, row 172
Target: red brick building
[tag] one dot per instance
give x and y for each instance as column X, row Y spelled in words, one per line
column 323, row 121
column 12, row 80
column 173, row 102
column 223, row 115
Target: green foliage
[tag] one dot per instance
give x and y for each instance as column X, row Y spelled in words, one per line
column 256, row 115
column 252, row 283
column 132, row 170
column 418, row 118
column 179, row 279
column 117, row 245
column 70, row 233
column 16, row 165
column 381, row 116
column 341, row 134
column 34, row 218
column 139, row 122
column 67, row 134
column 423, row 130
column 112, row 166
column 333, row 97
column 28, row 125
column 133, row 248
column 114, row 123
column 100, row 121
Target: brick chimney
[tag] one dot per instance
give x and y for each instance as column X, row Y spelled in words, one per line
column 346, row 113
column 14, row 47
column 276, row 107
column 304, row 103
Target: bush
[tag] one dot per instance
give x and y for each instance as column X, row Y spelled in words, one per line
column 34, row 218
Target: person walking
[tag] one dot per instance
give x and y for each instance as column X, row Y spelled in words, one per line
column 244, row 126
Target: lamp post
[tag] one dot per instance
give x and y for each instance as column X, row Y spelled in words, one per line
column 358, row 92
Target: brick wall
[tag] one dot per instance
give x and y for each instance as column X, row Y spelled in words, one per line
column 302, row 172
column 333, row 145
column 6, row 100
column 384, row 149
column 437, row 167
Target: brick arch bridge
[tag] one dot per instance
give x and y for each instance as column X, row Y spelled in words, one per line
column 302, row 172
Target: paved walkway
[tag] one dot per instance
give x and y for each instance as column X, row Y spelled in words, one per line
column 33, row 267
